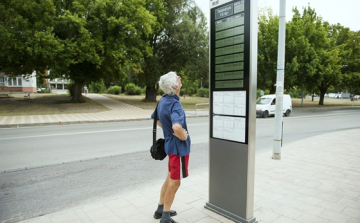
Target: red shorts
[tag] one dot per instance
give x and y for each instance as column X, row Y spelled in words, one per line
column 178, row 164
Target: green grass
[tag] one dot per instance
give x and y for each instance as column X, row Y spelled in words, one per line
column 187, row 102
column 296, row 102
column 46, row 104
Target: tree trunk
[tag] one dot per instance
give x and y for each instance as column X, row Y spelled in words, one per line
column 76, row 94
column 322, row 96
column 302, row 98
column 151, row 93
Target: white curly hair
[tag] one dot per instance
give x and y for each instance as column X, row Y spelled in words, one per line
column 167, row 83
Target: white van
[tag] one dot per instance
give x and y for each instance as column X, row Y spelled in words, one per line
column 265, row 105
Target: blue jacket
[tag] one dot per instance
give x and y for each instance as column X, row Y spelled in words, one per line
column 170, row 112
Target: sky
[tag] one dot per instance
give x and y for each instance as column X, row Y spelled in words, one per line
column 345, row 12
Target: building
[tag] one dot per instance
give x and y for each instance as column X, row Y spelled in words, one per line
column 18, row 84
column 58, row 85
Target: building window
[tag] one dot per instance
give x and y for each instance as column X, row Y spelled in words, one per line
column 59, row 86
column 19, row 81
column 52, row 86
column 2, row 81
column 9, row 80
column 65, row 86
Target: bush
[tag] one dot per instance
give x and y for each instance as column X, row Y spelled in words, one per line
column 203, row 92
column 114, row 90
column 190, row 91
column 258, row 94
column 131, row 89
column 138, row 91
column 97, row 87
column 182, row 92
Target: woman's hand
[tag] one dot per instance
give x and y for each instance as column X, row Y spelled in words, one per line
column 179, row 132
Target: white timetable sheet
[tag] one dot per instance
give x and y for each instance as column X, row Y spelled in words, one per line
column 229, row 128
column 229, row 103
column 226, row 104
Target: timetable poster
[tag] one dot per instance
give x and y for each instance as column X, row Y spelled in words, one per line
column 227, row 107
column 229, row 128
column 229, row 103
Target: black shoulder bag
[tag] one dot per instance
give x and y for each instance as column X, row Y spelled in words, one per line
column 157, row 150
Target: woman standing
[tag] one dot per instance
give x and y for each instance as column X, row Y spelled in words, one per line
column 172, row 119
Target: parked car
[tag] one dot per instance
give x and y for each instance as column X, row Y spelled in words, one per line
column 355, row 97
column 265, row 105
column 40, row 90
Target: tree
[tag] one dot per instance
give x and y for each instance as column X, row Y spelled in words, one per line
column 350, row 58
column 178, row 43
column 267, row 50
column 313, row 58
column 85, row 40
column 301, row 58
column 26, row 36
column 101, row 39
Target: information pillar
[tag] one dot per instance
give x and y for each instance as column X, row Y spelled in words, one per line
column 233, row 71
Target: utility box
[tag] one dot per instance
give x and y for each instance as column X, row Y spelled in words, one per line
column 233, row 72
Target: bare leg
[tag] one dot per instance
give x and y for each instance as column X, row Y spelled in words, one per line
column 163, row 189
column 171, row 189
column 168, row 191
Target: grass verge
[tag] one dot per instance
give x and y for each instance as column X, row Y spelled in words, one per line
column 187, row 102
column 46, row 104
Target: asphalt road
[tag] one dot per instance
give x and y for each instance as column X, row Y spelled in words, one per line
column 76, row 164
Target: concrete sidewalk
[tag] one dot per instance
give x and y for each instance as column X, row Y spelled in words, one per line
column 317, row 180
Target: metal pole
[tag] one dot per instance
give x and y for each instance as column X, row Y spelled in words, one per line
column 279, row 83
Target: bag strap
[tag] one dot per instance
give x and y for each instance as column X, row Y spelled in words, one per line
column 155, row 125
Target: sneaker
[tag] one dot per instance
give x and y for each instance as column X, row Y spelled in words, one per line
column 170, row 221
column 158, row 215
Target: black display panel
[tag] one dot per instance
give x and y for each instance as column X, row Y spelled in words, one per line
column 229, row 71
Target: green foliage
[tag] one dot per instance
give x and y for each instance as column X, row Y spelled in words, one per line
column 182, row 92
column 114, row 90
column 350, row 58
column 293, row 93
column 85, row 40
column 97, row 87
column 179, row 44
column 190, row 91
column 258, row 93
column 267, row 50
column 132, row 89
column 203, row 92
column 313, row 58
column 26, row 36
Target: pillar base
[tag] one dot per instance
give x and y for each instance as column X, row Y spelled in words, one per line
column 276, row 156
column 229, row 215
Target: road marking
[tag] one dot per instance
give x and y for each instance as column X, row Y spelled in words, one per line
column 92, row 132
